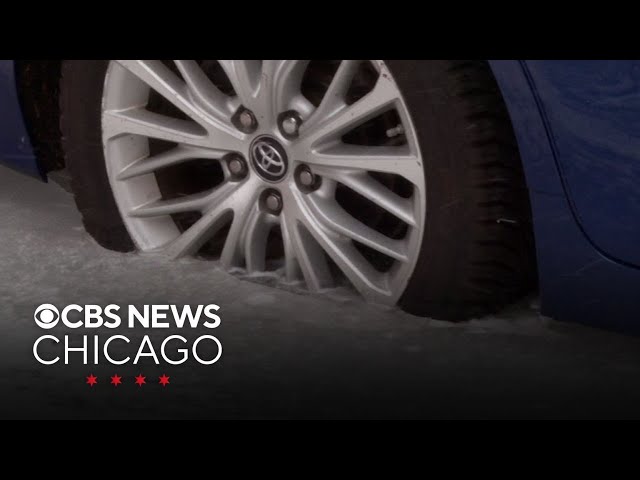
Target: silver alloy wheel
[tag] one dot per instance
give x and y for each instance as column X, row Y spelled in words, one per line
column 314, row 226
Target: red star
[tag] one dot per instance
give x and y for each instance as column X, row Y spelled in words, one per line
column 140, row 380
column 91, row 380
column 164, row 380
column 116, row 380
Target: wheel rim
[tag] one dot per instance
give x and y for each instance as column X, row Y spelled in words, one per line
column 259, row 116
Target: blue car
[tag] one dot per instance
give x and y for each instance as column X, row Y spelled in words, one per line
column 449, row 188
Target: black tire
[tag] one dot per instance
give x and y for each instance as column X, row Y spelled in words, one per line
column 80, row 100
column 477, row 253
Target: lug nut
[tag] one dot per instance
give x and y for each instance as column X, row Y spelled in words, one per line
column 247, row 119
column 237, row 166
column 306, row 179
column 244, row 120
column 290, row 124
column 273, row 202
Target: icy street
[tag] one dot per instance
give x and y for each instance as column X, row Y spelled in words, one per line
column 286, row 355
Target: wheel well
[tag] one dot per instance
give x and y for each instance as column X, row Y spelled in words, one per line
column 37, row 83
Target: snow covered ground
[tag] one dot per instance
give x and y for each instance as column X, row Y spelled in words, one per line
column 286, row 354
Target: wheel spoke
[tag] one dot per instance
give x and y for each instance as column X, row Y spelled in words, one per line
column 291, row 267
column 169, row 158
column 232, row 251
column 377, row 193
column 138, row 121
column 203, row 90
column 340, row 121
column 370, row 283
column 189, row 203
column 396, row 160
column 256, row 234
column 161, row 79
column 334, row 98
column 244, row 76
column 309, row 257
column 333, row 217
column 281, row 81
column 224, row 198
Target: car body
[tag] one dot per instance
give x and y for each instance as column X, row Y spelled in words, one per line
column 577, row 125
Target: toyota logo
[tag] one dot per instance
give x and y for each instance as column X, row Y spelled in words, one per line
column 269, row 158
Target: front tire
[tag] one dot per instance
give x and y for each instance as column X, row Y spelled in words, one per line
column 476, row 249
column 80, row 99
column 477, row 253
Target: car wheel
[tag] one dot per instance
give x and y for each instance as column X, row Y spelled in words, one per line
column 400, row 179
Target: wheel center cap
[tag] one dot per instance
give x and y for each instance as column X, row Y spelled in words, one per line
column 269, row 158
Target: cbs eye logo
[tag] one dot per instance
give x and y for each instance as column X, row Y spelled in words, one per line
column 46, row 316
